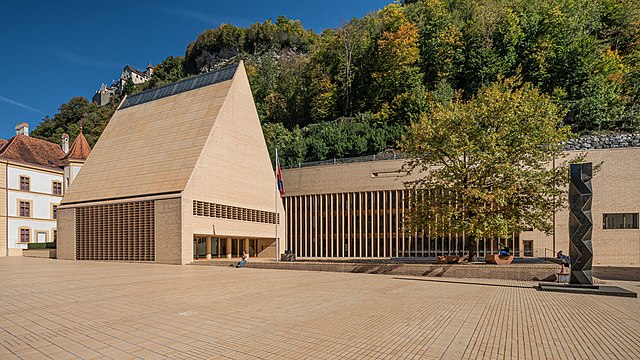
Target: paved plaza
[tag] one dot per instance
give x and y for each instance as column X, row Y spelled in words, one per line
column 64, row 309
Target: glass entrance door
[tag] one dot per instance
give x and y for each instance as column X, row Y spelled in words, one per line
column 252, row 247
column 528, row 248
column 199, row 247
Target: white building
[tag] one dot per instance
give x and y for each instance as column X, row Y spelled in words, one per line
column 137, row 76
column 32, row 183
column 105, row 93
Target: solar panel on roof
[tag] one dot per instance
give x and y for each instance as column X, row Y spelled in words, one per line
column 210, row 78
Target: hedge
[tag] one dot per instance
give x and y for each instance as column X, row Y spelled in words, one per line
column 47, row 245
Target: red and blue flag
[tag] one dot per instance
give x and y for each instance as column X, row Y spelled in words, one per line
column 279, row 180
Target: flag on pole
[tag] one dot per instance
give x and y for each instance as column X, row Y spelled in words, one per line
column 280, row 188
column 279, row 177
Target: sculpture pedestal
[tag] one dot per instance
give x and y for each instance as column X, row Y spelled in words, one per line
column 586, row 289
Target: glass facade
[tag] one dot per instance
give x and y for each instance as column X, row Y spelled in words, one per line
column 367, row 225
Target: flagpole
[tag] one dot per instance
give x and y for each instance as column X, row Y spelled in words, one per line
column 277, row 191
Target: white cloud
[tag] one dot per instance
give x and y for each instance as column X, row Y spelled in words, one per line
column 19, row 104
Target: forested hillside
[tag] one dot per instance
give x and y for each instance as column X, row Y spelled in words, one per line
column 352, row 90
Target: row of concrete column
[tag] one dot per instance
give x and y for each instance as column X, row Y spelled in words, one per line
column 228, row 247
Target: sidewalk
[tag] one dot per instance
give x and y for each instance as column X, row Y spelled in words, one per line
column 54, row 309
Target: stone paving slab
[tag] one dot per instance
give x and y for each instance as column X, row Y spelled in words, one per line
column 93, row 310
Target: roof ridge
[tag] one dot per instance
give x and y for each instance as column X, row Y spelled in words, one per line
column 6, row 146
column 135, row 70
column 195, row 82
column 32, row 151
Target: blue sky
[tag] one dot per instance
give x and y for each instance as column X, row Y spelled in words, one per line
column 51, row 51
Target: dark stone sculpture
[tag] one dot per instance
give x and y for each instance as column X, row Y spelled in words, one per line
column 580, row 224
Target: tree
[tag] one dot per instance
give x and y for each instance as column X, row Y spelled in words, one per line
column 483, row 165
column 396, row 74
column 129, row 87
column 169, row 70
column 387, row 66
column 71, row 115
column 290, row 145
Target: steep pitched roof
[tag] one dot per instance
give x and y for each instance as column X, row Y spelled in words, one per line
column 79, row 149
column 134, row 70
column 34, row 151
column 153, row 141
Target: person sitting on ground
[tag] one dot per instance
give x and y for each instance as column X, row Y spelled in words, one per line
column 245, row 257
column 504, row 251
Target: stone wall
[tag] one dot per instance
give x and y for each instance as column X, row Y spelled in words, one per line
column 604, row 142
column 520, row 272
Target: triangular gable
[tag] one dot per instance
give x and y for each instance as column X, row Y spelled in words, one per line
column 153, row 142
column 234, row 167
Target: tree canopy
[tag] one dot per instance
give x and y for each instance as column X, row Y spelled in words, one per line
column 486, row 164
column 77, row 112
column 377, row 73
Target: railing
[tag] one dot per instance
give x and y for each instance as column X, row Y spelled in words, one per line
column 553, row 255
column 375, row 157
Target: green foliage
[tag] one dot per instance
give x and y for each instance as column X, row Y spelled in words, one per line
column 290, row 143
column 77, row 112
column 169, row 70
column 346, row 137
column 483, row 163
column 391, row 66
column 129, row 87
column 227, row 41
column 46, row 245
column 581, row 49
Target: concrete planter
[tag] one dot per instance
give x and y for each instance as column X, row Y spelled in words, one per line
column 40, row 253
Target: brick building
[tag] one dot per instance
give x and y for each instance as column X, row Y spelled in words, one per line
column 355, row 210
column 180, row 171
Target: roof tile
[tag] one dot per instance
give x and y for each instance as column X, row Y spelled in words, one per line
column 30, row 150
column 79, row 149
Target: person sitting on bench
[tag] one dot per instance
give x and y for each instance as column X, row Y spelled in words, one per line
column 504, row 251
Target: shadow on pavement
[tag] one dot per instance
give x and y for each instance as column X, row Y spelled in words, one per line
column 468, row 283
column 617, row 273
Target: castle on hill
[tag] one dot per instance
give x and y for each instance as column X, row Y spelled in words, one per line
column 104, row 94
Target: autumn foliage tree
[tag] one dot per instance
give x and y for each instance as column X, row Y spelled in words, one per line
column 375, row 74
column 483, row 165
